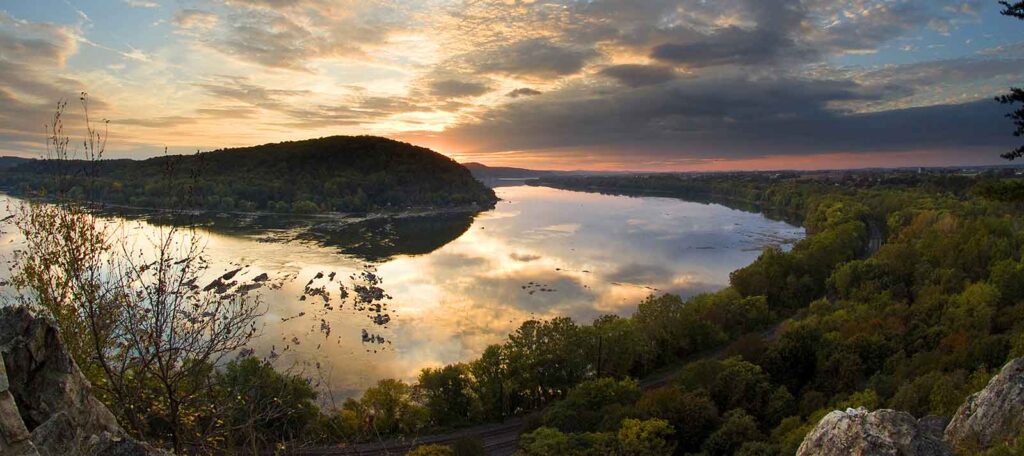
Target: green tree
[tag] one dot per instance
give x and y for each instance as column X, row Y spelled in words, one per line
column 589, row 403
column 645, row 438
column 267, row 407
column 446, row 392
column 737, row 428
column 1016, row 95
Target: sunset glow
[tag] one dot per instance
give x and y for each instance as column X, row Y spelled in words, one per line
column 549, row 84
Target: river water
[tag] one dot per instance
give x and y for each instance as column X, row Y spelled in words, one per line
column 451, row 284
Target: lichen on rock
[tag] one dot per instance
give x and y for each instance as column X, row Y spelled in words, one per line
column 993, row 415
column 881, row 432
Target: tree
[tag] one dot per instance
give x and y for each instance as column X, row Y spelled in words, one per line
column 492, row 386
column 737, row 428
column 693, row 415
column 1013, row 9
column 132, row 313
column 545, row 359
column 446, row 393
column 267, row 407
column 388, row 408
column 1016, row 95
column 589, row 403
column 645, row 438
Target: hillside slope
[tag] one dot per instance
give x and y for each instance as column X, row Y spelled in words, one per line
column 338, row 173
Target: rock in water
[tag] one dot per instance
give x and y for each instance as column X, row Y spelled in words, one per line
column 993, row 415
column 46, row 405
column 882, row 432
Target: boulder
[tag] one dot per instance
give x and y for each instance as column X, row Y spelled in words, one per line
column 46, row 405
column 881, row 432
column 993, row 415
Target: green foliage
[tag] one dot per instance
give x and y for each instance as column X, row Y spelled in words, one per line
column 693, row 414
column 446, row 394
column 388, row 408
column 917, row 325
column 333, row 174
column 588, row 405
column 737, row 428
column 633, row 438
column 645, row 438
column 267, row 405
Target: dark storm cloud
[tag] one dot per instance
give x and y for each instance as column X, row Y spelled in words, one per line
column 454, row 88
column 634, row 75
column 534, row 57
column 733, row 46
column 735, row 118
column 522, row 92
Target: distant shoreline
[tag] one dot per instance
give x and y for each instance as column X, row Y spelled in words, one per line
column 329, row 216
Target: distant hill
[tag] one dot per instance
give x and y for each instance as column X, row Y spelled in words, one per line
column 10, row 162
column 333, row 174
column 484, row 172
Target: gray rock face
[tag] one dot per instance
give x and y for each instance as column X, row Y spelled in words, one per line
column 992, row 415
column 46, row 405
column 881, row 432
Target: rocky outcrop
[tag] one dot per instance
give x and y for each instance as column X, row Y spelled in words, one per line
column 46, row 405
column 881, row 432
column 993, row 415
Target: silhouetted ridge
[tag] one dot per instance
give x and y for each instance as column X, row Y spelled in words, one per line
column 337, row 173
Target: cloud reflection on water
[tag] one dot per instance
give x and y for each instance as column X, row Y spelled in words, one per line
column 540, row 253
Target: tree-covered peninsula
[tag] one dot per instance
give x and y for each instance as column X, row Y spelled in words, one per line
column 333, row 174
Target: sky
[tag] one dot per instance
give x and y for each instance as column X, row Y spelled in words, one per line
column 646, row 85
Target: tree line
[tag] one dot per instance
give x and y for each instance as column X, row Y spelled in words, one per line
column 333, row 174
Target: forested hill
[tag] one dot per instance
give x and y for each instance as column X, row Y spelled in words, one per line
column 333, row 174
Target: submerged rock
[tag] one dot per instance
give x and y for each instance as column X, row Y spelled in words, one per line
column 46, row 405
column 881, row 432
column 993, row 415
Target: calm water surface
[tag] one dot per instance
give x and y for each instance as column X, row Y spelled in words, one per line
column 460, row 282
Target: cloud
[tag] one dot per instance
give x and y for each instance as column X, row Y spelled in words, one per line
column 454, row 88
column 243, row 90
column 737, row 117
column 675, row 79
column 634, row 75
column 33, row 57
column 295, row 107
column 35, row 43
column 141, row 3
column 522, row 92
column 532, row 58
column 194, row 19
column 772, row 40
column 293, row 34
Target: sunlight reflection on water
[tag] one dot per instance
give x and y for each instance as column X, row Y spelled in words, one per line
column 540, row 253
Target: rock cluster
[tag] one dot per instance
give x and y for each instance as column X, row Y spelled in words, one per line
column 881, row 432
column 989, row 417
column 992, row 415
column 46, row 405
